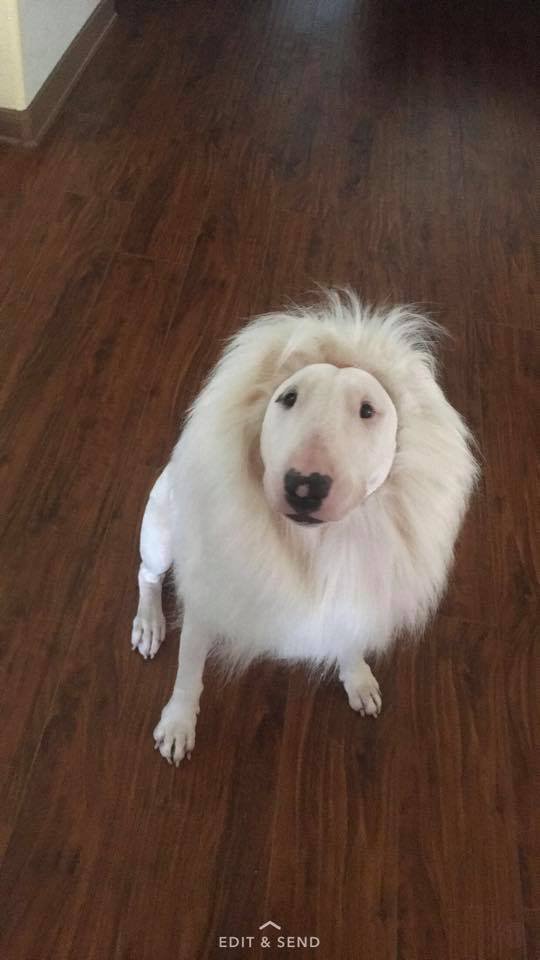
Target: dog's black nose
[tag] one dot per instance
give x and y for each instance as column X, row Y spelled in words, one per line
column 306, row 493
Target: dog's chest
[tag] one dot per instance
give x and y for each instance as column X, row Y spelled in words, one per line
column 339, row 604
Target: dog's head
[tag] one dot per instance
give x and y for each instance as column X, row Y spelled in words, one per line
column 327, row 442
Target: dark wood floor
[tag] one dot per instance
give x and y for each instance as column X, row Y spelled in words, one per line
column 216, row 159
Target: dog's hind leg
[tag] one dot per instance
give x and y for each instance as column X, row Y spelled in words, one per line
column 149, row 626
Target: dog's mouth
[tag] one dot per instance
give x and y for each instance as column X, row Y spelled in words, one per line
column 303, row 518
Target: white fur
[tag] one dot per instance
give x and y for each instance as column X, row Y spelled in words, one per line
column 264, row 585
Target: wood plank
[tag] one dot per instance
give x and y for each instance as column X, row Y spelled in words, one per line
column 459, row 869
column 333, row 868
column 57, row 488
column 508, row 367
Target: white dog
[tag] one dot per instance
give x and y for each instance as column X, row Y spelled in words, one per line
column 311, row 505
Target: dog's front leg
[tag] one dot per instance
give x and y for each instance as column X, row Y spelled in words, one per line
column 175, row 732
column 360, row 685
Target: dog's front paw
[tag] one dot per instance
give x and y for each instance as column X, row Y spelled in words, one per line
column 363, row 691
column 175, row 732
column 149, row 628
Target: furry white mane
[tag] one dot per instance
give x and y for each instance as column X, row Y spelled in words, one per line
column 403, row 538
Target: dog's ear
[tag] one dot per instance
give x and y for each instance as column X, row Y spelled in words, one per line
column 324, row 347
column 291, row 362
column 295, row 356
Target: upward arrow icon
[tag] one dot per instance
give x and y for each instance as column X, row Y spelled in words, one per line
column 269, row 923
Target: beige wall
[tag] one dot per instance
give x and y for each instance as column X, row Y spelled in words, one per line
column 12, row 94
column 47, row 29
column 34, row 34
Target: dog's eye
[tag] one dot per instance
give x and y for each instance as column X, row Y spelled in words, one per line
column 288, row 399
column 366, row 410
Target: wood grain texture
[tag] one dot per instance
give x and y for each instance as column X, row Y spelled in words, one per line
column 217, row 160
